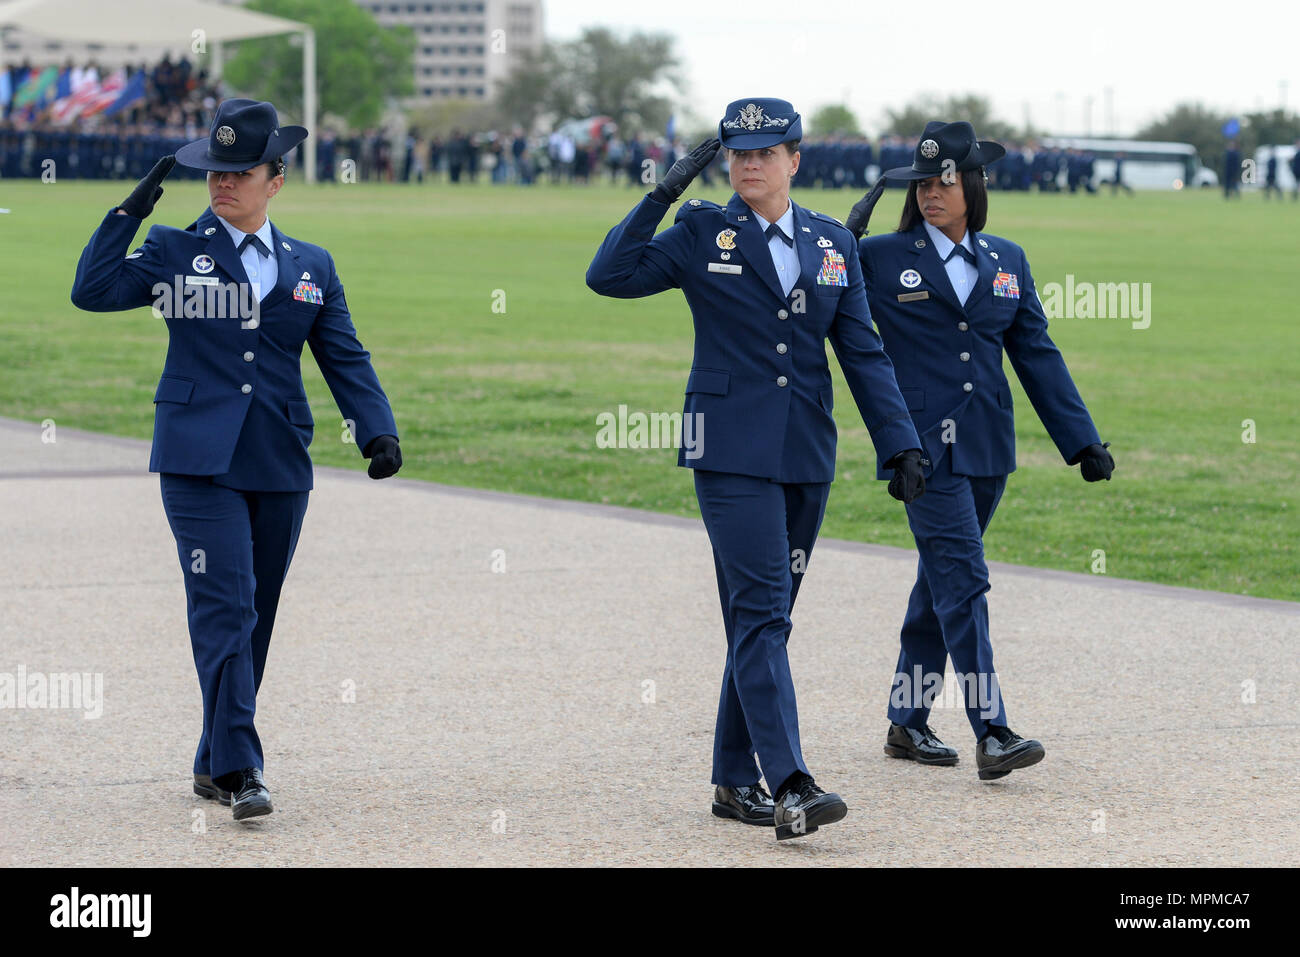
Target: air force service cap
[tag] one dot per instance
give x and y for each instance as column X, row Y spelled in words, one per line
column 244, row 134
column 943, row 142
column 758, row 122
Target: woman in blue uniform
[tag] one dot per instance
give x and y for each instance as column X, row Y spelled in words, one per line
column 949, row 300
column 232, row 423
column 767, row 282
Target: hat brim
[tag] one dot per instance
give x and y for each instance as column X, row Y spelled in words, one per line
column 986, row 153
column 755, row 141
column 196, row 156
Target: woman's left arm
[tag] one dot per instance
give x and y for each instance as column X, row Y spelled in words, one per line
column 345, row 364
column 1046, row 380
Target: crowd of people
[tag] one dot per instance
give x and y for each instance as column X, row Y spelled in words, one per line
column 94, row 123
column 98, row 123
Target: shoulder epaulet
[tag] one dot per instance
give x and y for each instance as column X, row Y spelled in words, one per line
column 830, row 219
column 694, row 205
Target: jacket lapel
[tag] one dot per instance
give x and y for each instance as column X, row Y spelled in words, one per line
column 810, row 254
column 987, row 269
column 220, row 247
column 290, row 269
column 934, row 276
column 752, row 243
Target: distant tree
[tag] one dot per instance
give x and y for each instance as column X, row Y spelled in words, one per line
column 598, row 74
column 359, row 64
column 1277, row 127
column 833, row 119
column 1190, row 123
column 910, row 120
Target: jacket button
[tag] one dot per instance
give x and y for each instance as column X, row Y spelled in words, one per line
column 245, row 388
column 248, row 357
column 780, row 348
column 965, row 357
column 967, row 387
column 783, row 314
column 962, row 327
column 782, row 381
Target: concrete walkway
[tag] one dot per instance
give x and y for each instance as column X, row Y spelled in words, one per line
column 422, row 708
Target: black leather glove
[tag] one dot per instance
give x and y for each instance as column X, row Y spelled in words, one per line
column 1095, row 463
column 908, row 482
column 675, row 181
column 142, row 199
column 860, row 214
column 385, row 456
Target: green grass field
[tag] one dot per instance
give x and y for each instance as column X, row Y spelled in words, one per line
column 509, row 400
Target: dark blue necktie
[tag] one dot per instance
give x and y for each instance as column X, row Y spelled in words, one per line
column 775, row 230
column 960, row 250
column 257, row 244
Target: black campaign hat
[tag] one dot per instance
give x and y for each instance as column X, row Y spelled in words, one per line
column 943, row 143
column 244, row 134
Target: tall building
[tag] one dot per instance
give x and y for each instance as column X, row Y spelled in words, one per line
column 463, row 47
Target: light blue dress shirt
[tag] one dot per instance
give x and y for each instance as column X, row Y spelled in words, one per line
column 961, row 274
column 784, row 258
column 262, row 271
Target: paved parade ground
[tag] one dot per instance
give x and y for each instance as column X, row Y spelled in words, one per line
column 472, row 678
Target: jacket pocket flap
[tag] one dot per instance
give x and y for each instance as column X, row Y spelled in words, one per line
column 299, row 412
column 174, row 389
column 711, row 381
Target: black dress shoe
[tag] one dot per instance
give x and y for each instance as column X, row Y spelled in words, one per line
column 918, row 744
column 1001, row 751
column 204, row 787
column 805, row 808
column 251, row 798
column 749, row 804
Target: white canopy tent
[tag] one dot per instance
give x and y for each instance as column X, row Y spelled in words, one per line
column 171, row 24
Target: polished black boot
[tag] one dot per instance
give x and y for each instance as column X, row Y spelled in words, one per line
column 918, row 744
column 204, row 788
column 1001, row 751
column 749, row 804
column 804, row 808
column 251, row 798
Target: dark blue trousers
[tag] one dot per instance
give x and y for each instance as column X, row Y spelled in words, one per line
column 235, row 548
column 947, row 614
column 762, row 534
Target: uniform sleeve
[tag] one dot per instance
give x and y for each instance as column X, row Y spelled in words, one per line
column 107, row 279
column 634, row 262
column 868, row 370
column 345, row 364
column 1046, row 380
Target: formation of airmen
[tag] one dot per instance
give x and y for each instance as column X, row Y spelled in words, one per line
column 852, row 162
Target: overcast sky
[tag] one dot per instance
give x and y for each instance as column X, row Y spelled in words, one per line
column 1040, row 61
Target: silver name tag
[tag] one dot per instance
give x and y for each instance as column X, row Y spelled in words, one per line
column 731, row 269
column 913, row 296
column 202, row 281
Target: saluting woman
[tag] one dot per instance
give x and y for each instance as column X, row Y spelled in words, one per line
column 231, row 419
column 767, row 282
column 949, row 301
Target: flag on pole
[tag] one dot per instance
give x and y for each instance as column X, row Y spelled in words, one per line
column 107, row 93
column 33, row 89
column 134, row 90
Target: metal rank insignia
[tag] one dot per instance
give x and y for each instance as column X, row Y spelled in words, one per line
column 726, row 239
